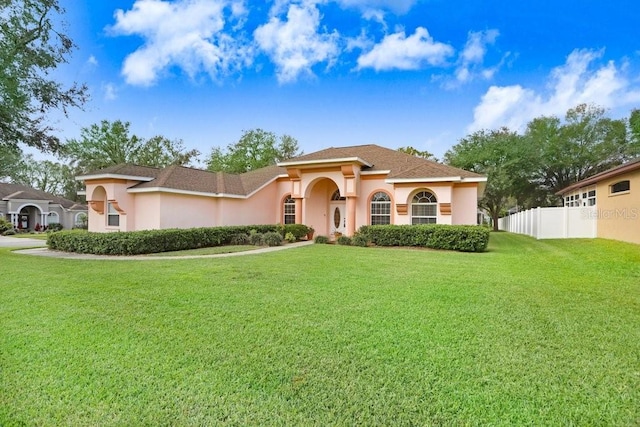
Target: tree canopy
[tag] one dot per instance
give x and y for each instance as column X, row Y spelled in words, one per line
column 30, row 48
column 110, row 143
column 527, row 170
column 256, row 149
column 503, row 157
column 418, row 153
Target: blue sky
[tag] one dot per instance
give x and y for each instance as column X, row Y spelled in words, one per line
column 347, row 72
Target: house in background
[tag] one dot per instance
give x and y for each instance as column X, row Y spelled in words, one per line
column 615, row 195
column 335, row 190
column 27, row 208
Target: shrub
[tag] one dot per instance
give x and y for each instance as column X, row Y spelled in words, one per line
column 344, row 240
column 289, row 237
column 300, row 231
column 239, row 239
column 256, row 238
column 149, row 241
column 322, row 239
column 54, row 226
column 272, row 238
column 5, row 226
column 464, row 238
column 359, row 240
column 9, row 232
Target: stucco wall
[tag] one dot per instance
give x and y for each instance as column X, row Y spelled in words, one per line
column 261, row 208
column 464, row 204
column 184, row 211
column 619, row 214
column 146, row 211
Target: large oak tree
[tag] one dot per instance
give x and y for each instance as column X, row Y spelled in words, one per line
column 31, row 47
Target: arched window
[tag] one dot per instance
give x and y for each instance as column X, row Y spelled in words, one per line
column 53, row 218
column 289, row 210
column 336, row 196
column 380, row 209
column 424, row 208
column 621, row 186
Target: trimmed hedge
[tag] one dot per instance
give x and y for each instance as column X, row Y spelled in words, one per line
column 153, row 241
column 463, row 238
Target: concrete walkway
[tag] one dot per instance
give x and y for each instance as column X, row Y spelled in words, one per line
column 20, row 242
column 45, row 252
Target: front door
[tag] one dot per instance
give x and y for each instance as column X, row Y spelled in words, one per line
column 337, row 220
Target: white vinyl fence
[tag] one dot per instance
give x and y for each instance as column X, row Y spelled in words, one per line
column 553, row 223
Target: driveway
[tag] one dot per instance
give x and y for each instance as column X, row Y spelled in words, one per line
column 20, row 242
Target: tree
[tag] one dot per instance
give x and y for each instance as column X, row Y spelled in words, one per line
column 502, row 156
column 634, row 126
column 110, row 143
column 586, row 143
column 44, row 175
column 10, row 157
column 30, row 48
column 255, row 149
column 415, row 152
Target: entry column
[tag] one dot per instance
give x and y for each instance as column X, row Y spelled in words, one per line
column 351, row 216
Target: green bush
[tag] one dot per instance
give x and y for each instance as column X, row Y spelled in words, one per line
column 5, row 225
column 256, row 239
column 272, row 238
column 149, row 241
column 463, row 238
column 54, row 226
column 322, row 239
column 344, row 240
column 289, row 237
column 300, row 231
column 239, row 239
column 9, row 232
column 359, row 240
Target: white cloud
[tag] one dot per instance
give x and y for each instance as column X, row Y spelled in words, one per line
column 577, row 81
column 397, row 51
column 186, row 34
column 92, row 61
column 110, row 91
column 471, row 58
column 296, row 44
column 396, row 6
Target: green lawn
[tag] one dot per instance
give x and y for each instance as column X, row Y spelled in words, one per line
column 529, row 333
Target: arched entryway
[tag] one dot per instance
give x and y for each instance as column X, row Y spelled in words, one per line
column 29, row 217
column 324, row 207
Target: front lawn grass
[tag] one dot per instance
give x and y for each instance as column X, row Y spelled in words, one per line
column 528, row 333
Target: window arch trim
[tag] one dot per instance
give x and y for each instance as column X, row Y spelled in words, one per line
column 424, row 207
column 377, row 211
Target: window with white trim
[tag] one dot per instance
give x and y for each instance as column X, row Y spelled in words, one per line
column 113, row 216
column 289, row 210
column 424, row 208
column 53, row 218
column 380, row 209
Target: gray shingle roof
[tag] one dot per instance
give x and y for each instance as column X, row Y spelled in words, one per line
column 18, row 191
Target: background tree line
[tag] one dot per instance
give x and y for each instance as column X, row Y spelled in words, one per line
column 527, row 170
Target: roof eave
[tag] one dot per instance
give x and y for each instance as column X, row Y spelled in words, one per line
column 436, row 179
column 323, row 162
column 113, row 176
column 188, row 192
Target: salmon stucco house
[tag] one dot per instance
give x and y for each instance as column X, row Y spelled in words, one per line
column 336, row 190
